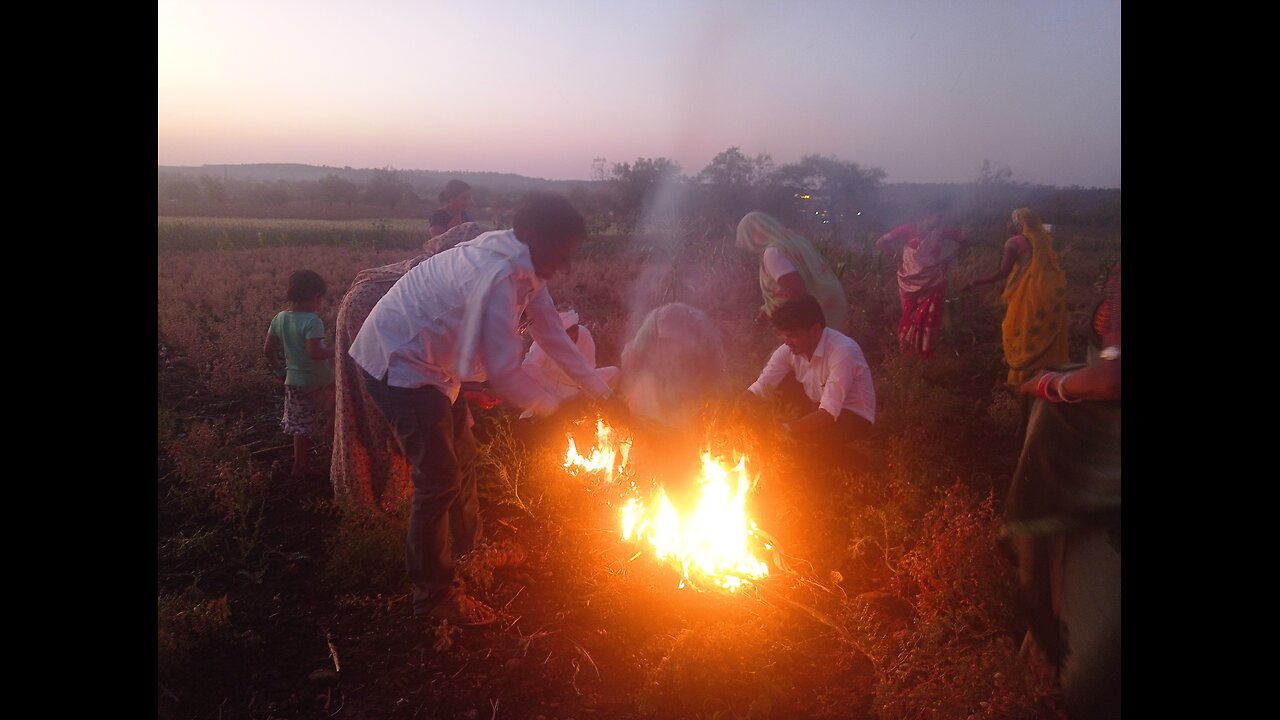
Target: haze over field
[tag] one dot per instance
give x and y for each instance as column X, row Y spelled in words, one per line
column 924, row 90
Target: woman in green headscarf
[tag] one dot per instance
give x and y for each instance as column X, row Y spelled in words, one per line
column 790, row 267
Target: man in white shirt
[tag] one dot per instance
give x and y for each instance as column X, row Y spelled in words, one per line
column 453, row 319
column 548, row 373
column 826, row 372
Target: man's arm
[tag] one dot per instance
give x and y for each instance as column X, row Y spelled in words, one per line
column 501, row 353
column 548, row 332
column 777, row 368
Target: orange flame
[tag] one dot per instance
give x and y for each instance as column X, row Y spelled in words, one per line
column 710, row 542
column 609, row 459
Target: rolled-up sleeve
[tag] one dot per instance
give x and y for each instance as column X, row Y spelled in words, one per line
column 777, row 368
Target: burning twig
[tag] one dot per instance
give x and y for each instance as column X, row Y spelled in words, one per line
column 333, row 651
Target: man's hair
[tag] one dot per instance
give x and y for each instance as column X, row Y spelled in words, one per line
column 548, row 215
column 799, row 314
column 304, row 285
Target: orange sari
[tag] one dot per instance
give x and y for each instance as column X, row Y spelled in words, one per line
column 1034, row 331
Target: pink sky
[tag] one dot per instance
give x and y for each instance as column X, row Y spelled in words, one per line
column 925, row 91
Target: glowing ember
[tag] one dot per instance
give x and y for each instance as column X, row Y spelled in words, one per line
column 607, row 458
column 710, row 542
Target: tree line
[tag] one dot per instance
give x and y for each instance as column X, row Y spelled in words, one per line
column 830, row 198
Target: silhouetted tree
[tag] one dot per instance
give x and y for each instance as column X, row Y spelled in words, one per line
column 731, row 182
column 385, row 188
column 636, row 183
column 828, row 193
column 333, row 189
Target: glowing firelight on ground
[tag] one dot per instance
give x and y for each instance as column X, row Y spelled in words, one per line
column 710, row 541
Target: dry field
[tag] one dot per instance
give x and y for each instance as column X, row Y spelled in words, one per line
column 889, row 595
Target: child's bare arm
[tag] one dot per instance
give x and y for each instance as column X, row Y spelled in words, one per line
column 271, row 351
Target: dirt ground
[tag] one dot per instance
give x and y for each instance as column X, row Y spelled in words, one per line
column 587, row 629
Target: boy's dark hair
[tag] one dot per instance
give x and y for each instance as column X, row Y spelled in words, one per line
column 799, row 314
column 304, row 285
column 549, row 216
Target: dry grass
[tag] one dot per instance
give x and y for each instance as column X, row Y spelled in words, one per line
column 913, row 526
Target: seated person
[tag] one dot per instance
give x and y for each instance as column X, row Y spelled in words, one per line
column 823, row 371
column 550, row 377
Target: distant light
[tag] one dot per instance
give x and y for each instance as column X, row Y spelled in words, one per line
column 859, row 212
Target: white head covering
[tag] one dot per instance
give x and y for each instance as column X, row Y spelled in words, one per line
column 569, row 318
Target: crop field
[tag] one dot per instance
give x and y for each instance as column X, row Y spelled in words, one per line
column 889, row 594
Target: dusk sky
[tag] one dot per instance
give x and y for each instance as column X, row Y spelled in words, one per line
column 923, row 90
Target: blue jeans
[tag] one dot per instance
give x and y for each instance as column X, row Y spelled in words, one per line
column 441, row 451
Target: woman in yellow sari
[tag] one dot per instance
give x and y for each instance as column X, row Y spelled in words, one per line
column 1034, row 331
column 791, row 267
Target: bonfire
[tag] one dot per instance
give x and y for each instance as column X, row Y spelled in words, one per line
column 705, row 533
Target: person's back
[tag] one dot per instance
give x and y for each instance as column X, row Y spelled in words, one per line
column 420, row 319
column 675, row 362
column 298, row 334
column 294, row 329
column 790, row 266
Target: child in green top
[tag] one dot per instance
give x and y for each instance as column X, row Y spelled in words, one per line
column 308, row 364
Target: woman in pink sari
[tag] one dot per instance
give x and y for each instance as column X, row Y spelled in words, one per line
column 922, row 277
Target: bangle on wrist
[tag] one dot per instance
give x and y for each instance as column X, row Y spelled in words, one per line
column 1057, row 390
column 1042, row 387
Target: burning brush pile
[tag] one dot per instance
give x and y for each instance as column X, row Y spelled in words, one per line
column 690, row 515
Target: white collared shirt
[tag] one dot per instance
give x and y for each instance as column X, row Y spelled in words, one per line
column 836, row 377
column 415, row 335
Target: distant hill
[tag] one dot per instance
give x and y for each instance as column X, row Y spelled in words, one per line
column 291, row 190
column 292, row 172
